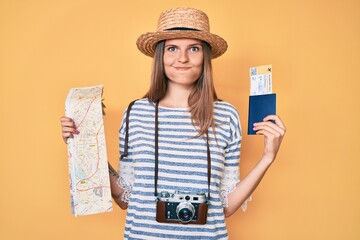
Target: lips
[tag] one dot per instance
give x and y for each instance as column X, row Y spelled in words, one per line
column 182, row 68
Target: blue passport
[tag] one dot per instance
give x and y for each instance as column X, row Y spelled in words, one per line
column 260, row 106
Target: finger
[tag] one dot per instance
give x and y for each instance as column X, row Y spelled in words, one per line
column 267, row 134
column 65, row 136
column 70, row 130
column 271, row 127
column 67, row 121
column 68, row 124
column 68, row 135
column 277, row 120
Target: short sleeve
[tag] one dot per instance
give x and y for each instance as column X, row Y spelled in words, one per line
column 231, row 175
column 126, row 168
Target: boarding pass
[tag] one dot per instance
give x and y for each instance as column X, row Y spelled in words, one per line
column 261, row 80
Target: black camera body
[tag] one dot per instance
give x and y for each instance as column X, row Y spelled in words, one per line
column 181, row 207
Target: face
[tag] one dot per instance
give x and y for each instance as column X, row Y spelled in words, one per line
column 183, row 61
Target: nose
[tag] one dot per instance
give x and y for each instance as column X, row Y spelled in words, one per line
column 183, row 56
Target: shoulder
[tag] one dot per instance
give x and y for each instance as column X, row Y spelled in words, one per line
column 225, row 108
column 227, row 118
column 142, row 104
column 140, row 109
column 138, row 106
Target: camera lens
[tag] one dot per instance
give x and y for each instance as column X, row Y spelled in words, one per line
column 185, row 211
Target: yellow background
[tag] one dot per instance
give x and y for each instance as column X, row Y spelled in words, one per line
column 47, row 47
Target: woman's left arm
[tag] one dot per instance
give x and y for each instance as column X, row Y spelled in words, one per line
column 273, row 130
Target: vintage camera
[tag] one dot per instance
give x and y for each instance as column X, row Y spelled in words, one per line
column 181, row 207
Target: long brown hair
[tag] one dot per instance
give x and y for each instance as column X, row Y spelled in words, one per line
column 201, row 99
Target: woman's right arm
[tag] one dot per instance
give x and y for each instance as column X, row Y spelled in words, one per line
column 116, row 190
column 68, row 131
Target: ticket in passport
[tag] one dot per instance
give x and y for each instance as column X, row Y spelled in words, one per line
column 262, row 102
column 261, row 80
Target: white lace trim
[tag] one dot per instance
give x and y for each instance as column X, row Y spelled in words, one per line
column 229, row 189
column 224, row 192
column 127, row 187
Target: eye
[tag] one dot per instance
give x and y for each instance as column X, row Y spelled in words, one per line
column 171, row 49
column 194, row 49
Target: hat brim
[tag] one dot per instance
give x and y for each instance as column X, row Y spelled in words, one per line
column 146, row 43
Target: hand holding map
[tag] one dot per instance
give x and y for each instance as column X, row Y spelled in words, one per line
column 89, row 178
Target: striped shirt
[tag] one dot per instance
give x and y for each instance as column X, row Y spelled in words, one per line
column 182, row 167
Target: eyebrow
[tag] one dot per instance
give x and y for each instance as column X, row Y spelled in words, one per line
column 190, row 45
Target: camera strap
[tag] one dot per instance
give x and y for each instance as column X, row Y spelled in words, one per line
column 126, row 146
column 126, row 143
column 157, row 153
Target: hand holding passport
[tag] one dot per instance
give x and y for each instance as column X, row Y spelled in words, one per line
column 262, row 102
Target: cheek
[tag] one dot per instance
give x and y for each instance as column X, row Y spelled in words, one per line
column 198, row 72
column 166, row 64
column 166, row 70
column 168, row 59
column 199, row 66
column 198, row 60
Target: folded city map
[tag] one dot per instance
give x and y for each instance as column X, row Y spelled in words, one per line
column 88, row 168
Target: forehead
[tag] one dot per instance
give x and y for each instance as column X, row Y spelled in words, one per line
column 182, row 41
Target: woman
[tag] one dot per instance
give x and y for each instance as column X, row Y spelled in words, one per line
column 197, row 142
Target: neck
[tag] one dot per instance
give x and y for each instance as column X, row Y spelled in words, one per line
column 176, row 97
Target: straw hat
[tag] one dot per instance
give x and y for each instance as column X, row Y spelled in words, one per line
column 182, row 23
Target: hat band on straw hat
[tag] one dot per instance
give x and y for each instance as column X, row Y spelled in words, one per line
column 182, row 28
